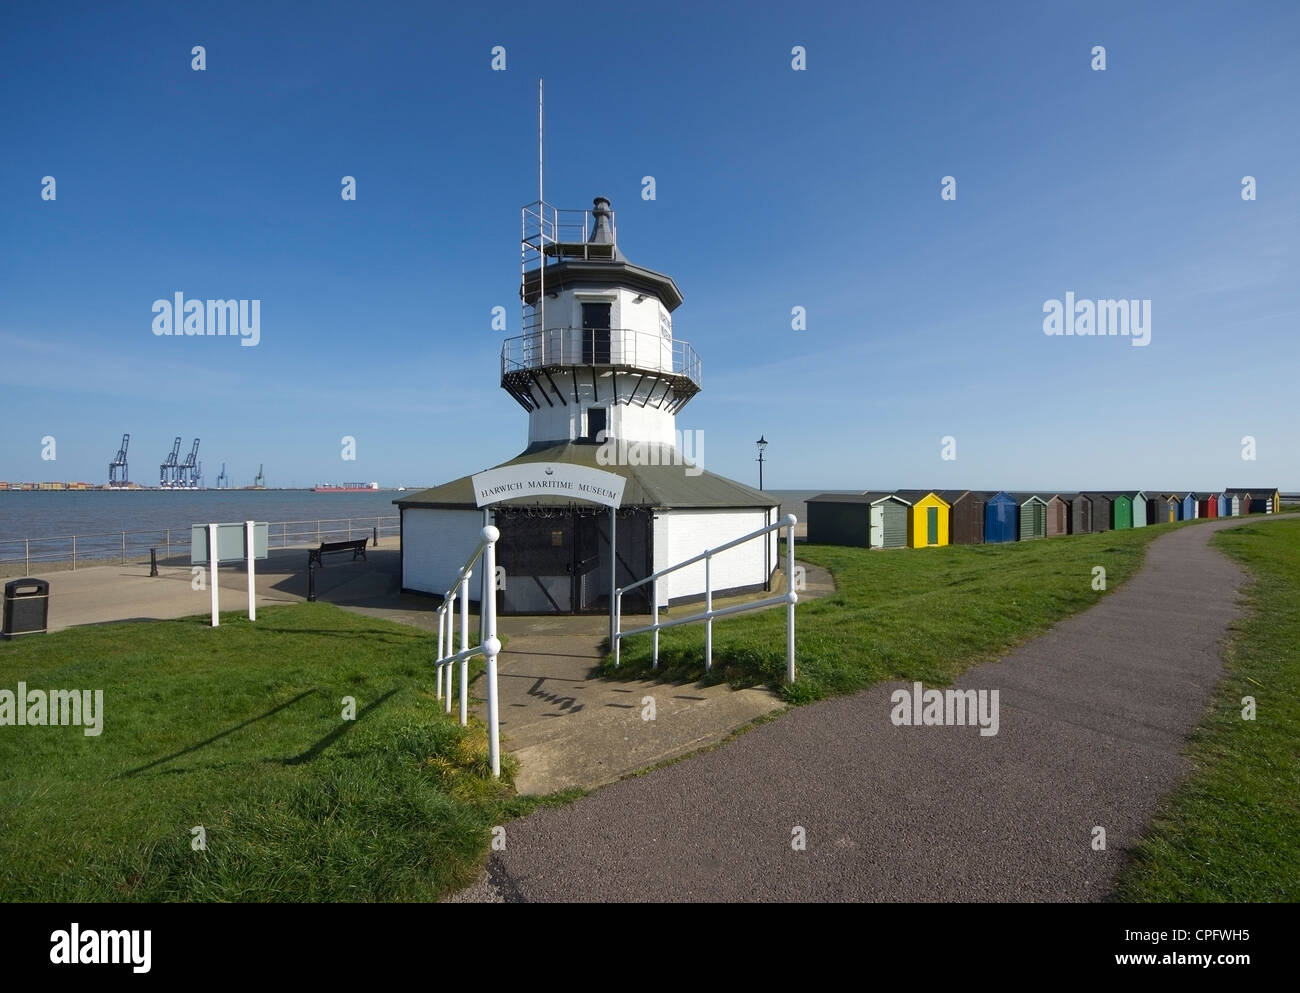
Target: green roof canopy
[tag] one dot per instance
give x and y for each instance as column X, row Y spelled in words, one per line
column 658, row 486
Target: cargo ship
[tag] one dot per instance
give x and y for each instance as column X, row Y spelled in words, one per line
column 346, row 487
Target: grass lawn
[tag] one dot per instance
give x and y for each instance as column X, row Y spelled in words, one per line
column 239, row 729
column 915, row 614
column 1231, row 832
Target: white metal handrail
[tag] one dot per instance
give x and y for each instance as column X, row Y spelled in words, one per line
column 789, row 598
column 489, row 645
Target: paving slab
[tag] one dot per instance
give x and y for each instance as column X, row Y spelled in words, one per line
column 571, row 728
column 103, row 594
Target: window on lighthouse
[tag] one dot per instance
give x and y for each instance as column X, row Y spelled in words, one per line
column 595, row 333
column 597, row 422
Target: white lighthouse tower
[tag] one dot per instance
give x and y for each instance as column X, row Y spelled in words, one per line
column 597, row 353
column 600, row 373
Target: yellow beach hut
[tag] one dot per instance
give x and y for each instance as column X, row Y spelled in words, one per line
column 927, row 518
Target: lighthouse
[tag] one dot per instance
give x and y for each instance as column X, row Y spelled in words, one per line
column 602, row 378
column 597, row 352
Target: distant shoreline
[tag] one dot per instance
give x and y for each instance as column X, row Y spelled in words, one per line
column 79, row 488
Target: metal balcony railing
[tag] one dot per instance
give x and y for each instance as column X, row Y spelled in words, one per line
column 556, row 234
column 645, row 350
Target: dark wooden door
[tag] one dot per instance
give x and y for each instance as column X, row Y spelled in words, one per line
column 595, row 333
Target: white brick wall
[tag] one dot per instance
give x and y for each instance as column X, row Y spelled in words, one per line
column 680, row 534
column 435, row 544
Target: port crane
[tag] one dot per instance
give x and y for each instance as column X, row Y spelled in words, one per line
column 260, row 481
column 119, row 462
column 190, row 473
column 167, row 472
column 223, row 481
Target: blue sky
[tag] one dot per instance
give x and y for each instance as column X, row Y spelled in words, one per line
column 775, row 189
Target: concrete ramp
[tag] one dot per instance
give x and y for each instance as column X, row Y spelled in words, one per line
column 570, row 728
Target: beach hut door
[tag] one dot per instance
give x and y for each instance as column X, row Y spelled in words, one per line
column 877, row 526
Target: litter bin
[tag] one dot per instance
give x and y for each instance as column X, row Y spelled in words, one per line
column 27, row 607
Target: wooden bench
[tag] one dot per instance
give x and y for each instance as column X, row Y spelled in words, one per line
column 357, row 547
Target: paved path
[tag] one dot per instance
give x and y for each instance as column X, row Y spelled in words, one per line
column 103, row 594
column 1093, row 717
column 570, row 728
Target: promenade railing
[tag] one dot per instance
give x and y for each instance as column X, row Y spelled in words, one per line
column 107, row 547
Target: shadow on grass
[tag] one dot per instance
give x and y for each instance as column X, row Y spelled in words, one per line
column 333, row 736
column 215, row 737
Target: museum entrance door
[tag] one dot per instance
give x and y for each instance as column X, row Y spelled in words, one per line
column 556, row 559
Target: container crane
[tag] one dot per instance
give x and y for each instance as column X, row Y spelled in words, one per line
column 119, row 462
column 189, row 474
column 167, row 471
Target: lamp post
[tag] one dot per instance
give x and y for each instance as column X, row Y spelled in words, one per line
column 767, row 516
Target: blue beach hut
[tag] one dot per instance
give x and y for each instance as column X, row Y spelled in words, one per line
column 1000, row 518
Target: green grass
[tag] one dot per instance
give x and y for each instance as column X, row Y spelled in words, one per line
column 916, row 614
column 239, row 729
column 1230, row 832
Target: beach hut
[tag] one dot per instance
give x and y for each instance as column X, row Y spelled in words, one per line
column 1033, row 516
column 927, row 521
column 1138, row 503
column 861, row 520
column 839, row 519
column 1157, row 509
column 1229, row 504
column 1000, row 518
column 1101, row 504
column 1121, row 511
column 1191, row 507
column 1208, row 505
column 889, row 515
column 1058, row 514
column 1263, row 500
column 966, row 519
column 1080, row 514
column 1174, row 507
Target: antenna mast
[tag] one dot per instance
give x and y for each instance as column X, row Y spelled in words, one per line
column 540, row 197
column 541, row 214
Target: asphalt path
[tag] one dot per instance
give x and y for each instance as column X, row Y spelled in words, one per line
column 1093, row 718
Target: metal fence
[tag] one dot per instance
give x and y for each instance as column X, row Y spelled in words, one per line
column 563, row 346
column 107, row 547
column 787, row 599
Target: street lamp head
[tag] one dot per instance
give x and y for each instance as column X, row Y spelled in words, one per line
column 762, row 443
